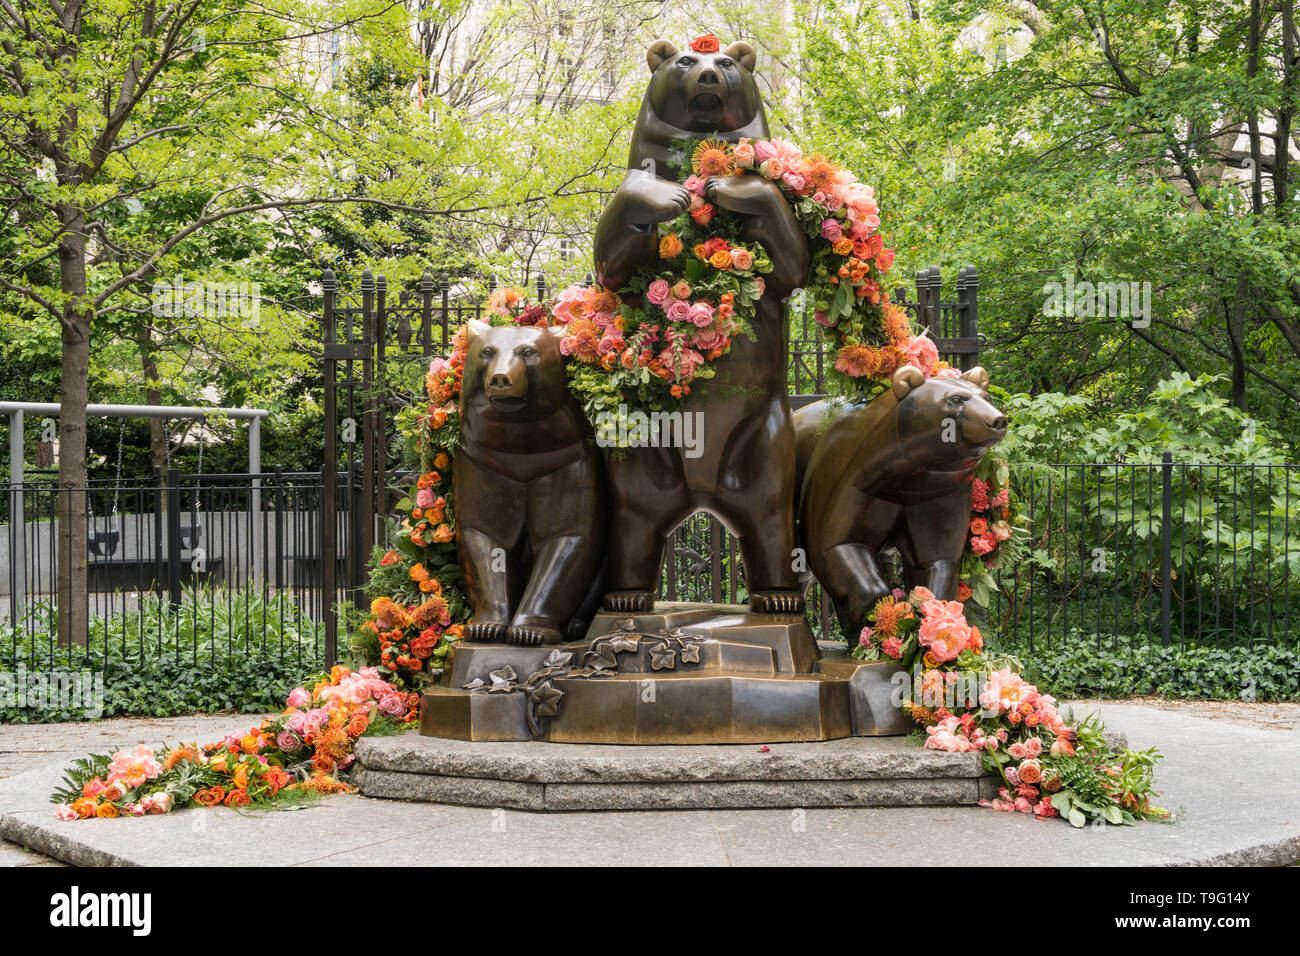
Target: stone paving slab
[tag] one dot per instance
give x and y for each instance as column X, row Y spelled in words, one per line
column 1233, row 786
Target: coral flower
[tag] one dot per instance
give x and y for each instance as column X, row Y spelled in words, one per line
column 713, row 157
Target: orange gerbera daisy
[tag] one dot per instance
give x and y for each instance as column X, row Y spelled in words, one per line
column 713, row 157
column 821, row 173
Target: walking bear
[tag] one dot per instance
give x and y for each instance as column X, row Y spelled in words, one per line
column 896, row 470
column 529, row 489
column 745, row 475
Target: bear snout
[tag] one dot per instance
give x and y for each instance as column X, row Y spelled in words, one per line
column 984, row 429
column 504, row 385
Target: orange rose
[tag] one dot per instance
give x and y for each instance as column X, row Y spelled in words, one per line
column 720, row 259
column 670, row 246
column 842, row 247
column 441, row 460
column 357, row 725
column 443, row 534
column 107, row 811
column 1031, row 770
column 706, row 43
column 238, row 798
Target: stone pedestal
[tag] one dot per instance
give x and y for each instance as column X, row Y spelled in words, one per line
column 684, row 674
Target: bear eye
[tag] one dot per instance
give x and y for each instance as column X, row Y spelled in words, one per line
column 526, row 351
column 487, row 351
column 725, row 62
column 686, row 61
column 956, row 399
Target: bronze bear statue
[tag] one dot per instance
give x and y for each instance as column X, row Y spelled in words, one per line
column 896, row 470
column 529, row 489
column 745, row 475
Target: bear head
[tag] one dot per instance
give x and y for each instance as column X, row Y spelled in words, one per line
column 942, row 419
column 703, row 92
column 513, row 372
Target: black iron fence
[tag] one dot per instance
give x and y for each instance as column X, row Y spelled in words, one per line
column 1112, row 555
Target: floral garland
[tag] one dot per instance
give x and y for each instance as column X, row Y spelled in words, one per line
column 420, row 607
column 647, row 344
column 291, row 754
column 969, row 703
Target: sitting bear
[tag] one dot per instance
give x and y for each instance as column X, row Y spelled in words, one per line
column 896, row 470
column 528, row 486
column 745, row 475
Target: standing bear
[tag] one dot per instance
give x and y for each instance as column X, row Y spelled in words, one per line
column 529, row 489
column 745, row 475
column 896, row 470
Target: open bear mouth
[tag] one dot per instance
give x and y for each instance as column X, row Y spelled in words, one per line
column 706, row 103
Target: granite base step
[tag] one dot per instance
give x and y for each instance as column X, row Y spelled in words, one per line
column 540, row 776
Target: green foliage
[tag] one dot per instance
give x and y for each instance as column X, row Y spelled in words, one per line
column 1009, row 137
column 1093, row 555
column 1085, row 666
column 218, row 651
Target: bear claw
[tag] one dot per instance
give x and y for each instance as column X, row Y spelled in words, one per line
column 485, row 633
column 776, row 602
column 630, row 602
column 533, row 636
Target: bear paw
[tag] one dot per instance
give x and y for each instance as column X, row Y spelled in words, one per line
column 485, row 633
column 776, row 602
column 533, row 635
column 630, row 602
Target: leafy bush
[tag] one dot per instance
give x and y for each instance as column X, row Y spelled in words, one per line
column 1084, row 668
column 1096, row 527
column 217, row 651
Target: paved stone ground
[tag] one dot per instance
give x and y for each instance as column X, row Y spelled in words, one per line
column 1231, row 773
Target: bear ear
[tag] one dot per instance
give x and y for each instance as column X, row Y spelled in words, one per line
column 475, row 329
column 659, row 51
column 744, row 54
column 555, row 332
column 977, row 377
column 906, row 378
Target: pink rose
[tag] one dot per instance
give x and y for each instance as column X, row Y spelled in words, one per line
column 763, row 151
column 65, row 812
column 741, row 258
column 288, row 741
column 658, row 291
column 393, row 705
column 921, row 352
column 682, row 290
column 773, row 168
column 424, row 498
column 743, row 154
column 679, row 310
column 832, row 229
column 298, row 697
column 702, row 315
column 694, row 185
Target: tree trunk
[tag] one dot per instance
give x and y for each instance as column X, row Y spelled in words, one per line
column 152, row 396
column 73, row 602
column 1236, row 336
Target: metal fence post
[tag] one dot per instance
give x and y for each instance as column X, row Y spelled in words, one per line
column 329, row 475
column 17, row 520
column 1166, row 545
column 174, row 537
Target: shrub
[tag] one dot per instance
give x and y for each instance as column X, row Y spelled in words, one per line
column 217, row 651
column 1083, row 668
